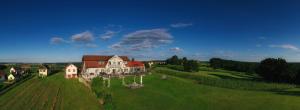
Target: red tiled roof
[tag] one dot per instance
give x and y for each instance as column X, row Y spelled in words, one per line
column 69, row 65
column 91, row 64
column 101, row 58
column 134, row 64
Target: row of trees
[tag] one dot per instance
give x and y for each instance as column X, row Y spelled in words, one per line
column 248, row 67
column 188, row 65
column 270, row 69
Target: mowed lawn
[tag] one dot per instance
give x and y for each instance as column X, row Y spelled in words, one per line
column 53, row 92
column 183, row 94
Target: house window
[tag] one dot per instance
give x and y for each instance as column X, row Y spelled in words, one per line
column 119, row 63
column 69, row 70
column 73, row 70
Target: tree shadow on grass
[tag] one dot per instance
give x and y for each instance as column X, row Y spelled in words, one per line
column 287, row 92
column 290, row 93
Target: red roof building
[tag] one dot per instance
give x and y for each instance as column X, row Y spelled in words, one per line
column 94, row 65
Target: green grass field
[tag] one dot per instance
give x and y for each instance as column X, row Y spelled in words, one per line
column 174, row 93
column 53, row 92
column 177, row 93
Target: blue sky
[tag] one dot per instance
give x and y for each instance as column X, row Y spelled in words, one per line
column 63, row 31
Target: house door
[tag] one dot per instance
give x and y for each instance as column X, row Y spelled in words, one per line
column 114, row 71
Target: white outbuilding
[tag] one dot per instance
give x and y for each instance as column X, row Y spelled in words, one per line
column 12, row 70
column 71, row 71
column 10, row 77
column 43, row 71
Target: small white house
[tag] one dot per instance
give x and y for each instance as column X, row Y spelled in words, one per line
column 43, row 71
column 71, row 71
column 12, row 70
column 10, row 77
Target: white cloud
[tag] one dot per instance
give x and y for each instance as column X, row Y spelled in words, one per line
column 181, row 25
column 144, row 39
column 285, row 46
column 176, row 49
column 57, row 40
column 84, row 37
column 116, row 46
column 108, row 35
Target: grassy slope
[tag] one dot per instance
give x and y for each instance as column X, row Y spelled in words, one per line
column 179, row 94
column 53, row 92
column 219, row 73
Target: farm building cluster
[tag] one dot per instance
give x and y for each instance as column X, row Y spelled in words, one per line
column 14, row 73
column 92, row 66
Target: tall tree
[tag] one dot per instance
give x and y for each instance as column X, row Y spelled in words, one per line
column 275, row 70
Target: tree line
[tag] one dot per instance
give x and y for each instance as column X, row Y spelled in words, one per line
column 231, row 65
column 270, row 69
column 188, row 65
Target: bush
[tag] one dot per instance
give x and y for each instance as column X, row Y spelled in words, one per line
column 98, row 87
column 102, row 93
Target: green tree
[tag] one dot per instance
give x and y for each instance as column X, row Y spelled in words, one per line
column 184, row 60
column 191, row 66
column 275, row 70
column 174, row 60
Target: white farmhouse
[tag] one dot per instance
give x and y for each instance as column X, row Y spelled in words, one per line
column 71, row 71
column 10, row 77
column 95, row 65
column 12, row 70
column 43, row 71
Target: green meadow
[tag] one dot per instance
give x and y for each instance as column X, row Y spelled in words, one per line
column 175, row 93
column 203, row 90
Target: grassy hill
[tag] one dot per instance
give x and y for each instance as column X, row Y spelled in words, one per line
column 53, row 92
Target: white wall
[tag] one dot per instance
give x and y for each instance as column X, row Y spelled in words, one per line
column 43, row 72
column 71, row 69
